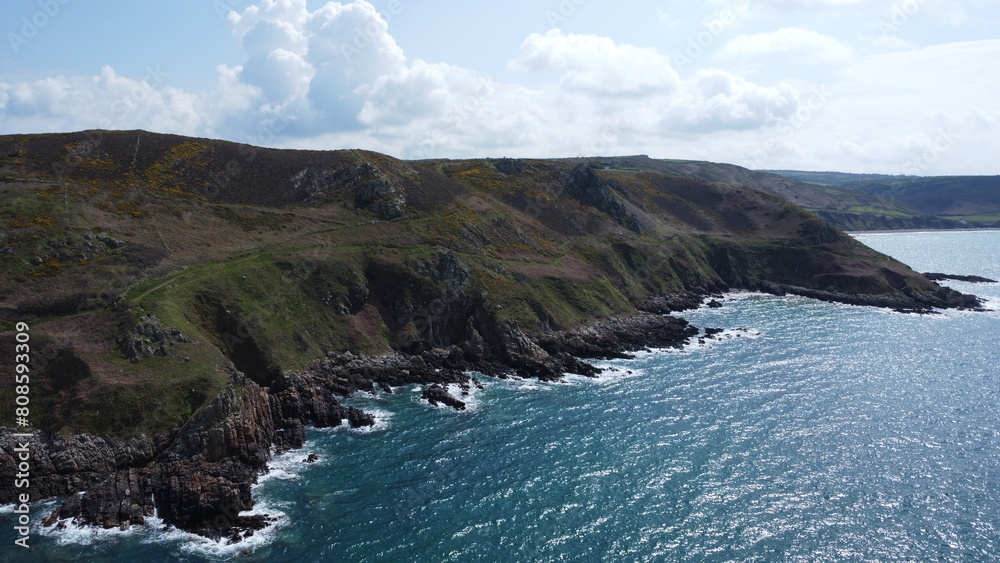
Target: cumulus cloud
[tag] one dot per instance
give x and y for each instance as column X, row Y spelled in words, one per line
column 597, row 64
column 639, row 87
column 793, row 43
column 715, row 100
column 334, row 77
column 112, row 100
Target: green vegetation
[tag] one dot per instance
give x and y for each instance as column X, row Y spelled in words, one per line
column 920, row 202
column 877, row 211
column 269, row 259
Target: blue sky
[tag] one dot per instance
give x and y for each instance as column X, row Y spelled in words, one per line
column 888, row 86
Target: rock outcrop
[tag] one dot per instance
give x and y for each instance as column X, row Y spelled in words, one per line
column 199, row 479
column 149, row 338
column 907, row 301
column 936, row 276
column 587, row 186
column 435, row 394
column 615, row 338
column 370, row 188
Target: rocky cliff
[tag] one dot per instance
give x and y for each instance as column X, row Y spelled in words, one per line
column 196, row 303
column 199, row 479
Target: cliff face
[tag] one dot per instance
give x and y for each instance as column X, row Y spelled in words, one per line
column 197, row 302
column 198, row 480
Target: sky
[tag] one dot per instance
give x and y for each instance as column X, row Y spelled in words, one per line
column 874, row 86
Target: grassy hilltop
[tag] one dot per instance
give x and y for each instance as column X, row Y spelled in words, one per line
column 146, row 263
column 906, row 201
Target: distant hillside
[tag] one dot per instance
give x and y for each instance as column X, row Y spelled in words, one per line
column 964, row 201
column 845, row 208
column 304, row 252
column 192, row 304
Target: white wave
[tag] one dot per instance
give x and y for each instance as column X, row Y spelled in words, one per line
column 991, row 306
column 472, row 400
column 704, row 342
column 611, row 372
column 523, row 385
column 739, row 296
column 206, row 547
column 601, row 473
column 68, row 532
column 286, row 466
column 382, row 422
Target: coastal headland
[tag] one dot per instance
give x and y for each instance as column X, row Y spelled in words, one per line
column 193, row 304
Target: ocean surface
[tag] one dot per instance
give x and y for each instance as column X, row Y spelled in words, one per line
column 809, row 432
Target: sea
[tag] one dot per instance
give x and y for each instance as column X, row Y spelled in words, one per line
column 807, row 431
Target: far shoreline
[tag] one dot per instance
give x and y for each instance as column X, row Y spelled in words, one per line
column 929, row 231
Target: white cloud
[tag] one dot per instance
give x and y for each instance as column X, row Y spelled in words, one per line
column 818, row 3
column 107, row 101
column 791, row 43
column 597, row 64
column 925, row 111
column 717, row 100
column 334, row 77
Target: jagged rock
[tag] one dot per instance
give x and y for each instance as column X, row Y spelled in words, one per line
column 447, row 268
column 149, row 338
column 935, row 276
column 672, row 303
column 200, row 481
column 615, row 338
column 586, row 185
column 908, row 300
column 110, row 242
column 371, row 188
column 358, row 418
column 435, row 394
column 509, row 165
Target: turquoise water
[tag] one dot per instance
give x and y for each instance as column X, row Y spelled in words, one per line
column 820, row 432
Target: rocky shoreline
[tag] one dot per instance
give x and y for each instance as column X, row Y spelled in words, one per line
column 906, row 301
column 199, row 478
column 937, row 276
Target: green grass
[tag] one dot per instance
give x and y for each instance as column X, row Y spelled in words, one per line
column 988, row 218
column 878, row 211
column 279, row 300
column 257, row 265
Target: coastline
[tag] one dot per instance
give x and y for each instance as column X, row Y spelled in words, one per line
column 201, row 479
column 928, row 231
column 309, row 398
